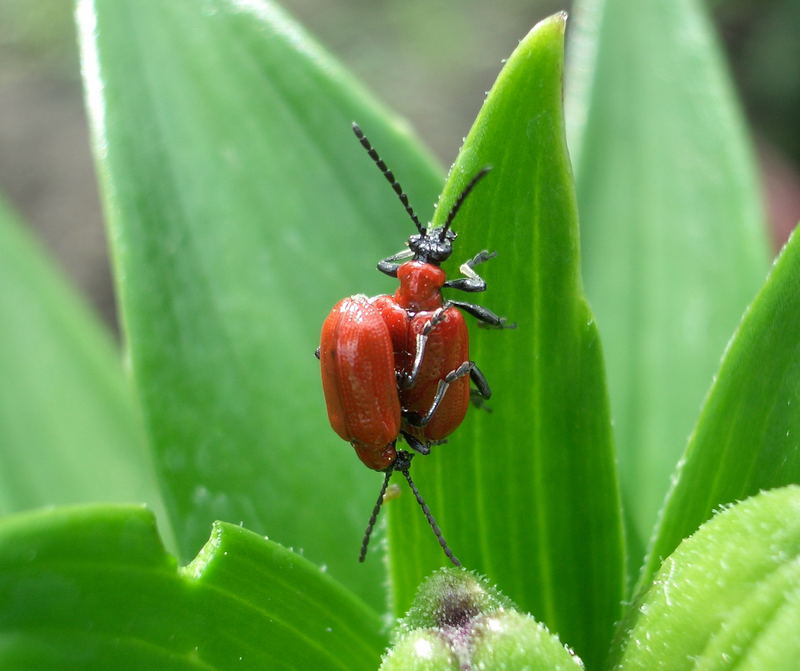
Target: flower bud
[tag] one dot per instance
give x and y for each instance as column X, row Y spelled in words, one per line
column 458, row 621
column 421, row 650
column 507, row 641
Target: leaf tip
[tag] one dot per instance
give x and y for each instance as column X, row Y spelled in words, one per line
column 555, row 22
column 545, row 36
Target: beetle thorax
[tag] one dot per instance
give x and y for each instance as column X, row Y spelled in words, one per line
column 420, row 286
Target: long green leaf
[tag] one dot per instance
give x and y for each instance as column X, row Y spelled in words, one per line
column 672, row 230
column 92, row 588
column 728, row 597
column 746, row 438
column 526, row 494
column 69, row 429
column 241, row 209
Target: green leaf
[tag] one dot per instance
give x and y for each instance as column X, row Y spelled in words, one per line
column 69, row 430
column 746, row 438
column 241, row 209
column 672, row 229
column 526, row 494
column 728, row 597
column 92, row 588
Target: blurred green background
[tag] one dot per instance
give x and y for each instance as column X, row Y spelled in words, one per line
column 425, row 59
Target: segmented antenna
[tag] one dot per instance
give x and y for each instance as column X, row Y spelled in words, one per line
column 460, row 200
column 426, row 511
column 373, row 518
column 388, row 175
column 431, row 521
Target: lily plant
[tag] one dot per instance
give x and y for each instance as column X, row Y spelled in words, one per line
column 240, row 209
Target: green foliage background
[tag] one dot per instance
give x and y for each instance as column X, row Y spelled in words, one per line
column 240, row 208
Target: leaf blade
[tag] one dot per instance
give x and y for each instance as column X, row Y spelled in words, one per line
column 69, row 428
column 91, row 588
column 672, row 227
column 535, row 480
column 744, row 440
column 235, row 190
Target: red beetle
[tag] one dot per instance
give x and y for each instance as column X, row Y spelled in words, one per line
column 398, row 366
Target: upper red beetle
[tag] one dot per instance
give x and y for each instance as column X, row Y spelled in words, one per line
column 399, row 365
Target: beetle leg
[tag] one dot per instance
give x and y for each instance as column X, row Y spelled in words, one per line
column 481, row 257
column 479, row 380
column 422, row 342
column 390, row 264
column 414, row 419
column 410, row 378
column 316, row 353
column 416, row 444
column 486, row 317
column 482, row 391
column 471, row 280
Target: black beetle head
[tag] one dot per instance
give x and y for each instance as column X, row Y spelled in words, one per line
column 433, row 246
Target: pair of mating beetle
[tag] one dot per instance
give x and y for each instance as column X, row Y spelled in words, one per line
column 398, row 366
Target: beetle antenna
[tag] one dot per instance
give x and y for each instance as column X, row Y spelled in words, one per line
column 436, row 530
column 373, row 518
column 460, row 200
column 388, row 175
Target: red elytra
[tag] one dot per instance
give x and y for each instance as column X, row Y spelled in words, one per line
column 447, row 348
column 357, row 362
column 398, row 366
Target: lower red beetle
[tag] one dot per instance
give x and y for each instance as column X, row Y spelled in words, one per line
column 398, row 366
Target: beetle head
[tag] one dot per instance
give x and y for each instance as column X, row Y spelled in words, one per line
column 434, row 245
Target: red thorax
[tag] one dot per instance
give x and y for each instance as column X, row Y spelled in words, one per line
column 420, row 286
